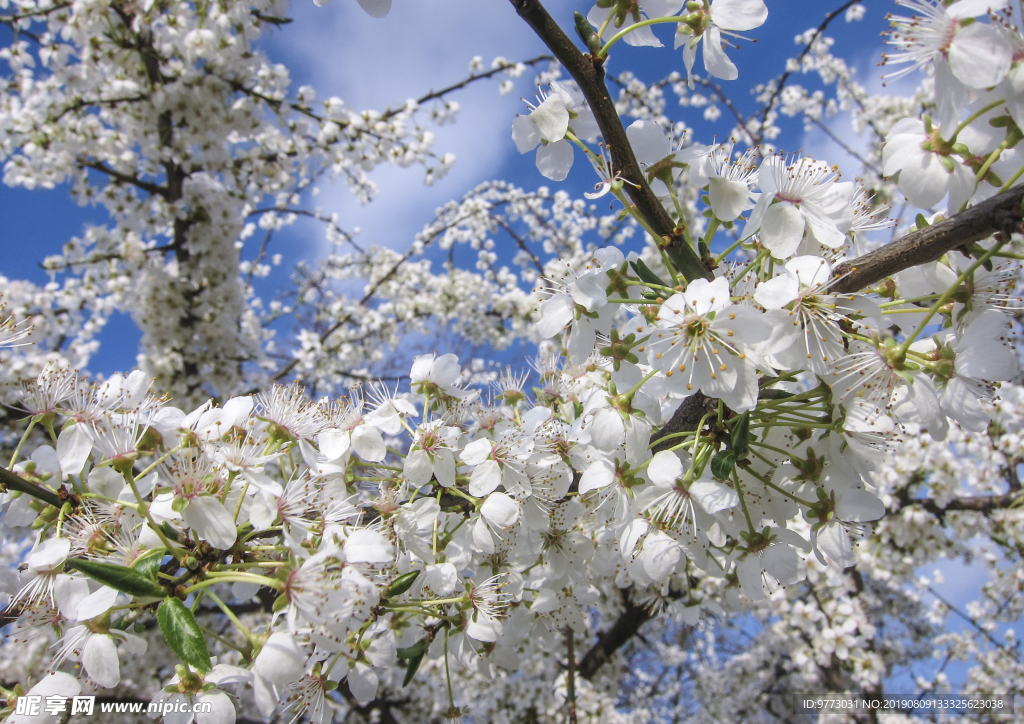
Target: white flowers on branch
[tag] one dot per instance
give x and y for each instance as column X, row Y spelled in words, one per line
column 345, row 546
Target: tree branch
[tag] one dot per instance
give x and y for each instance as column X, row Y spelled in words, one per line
column 13, row 481
column 625, row 627
column 983, row 504
column 1000, row 213
column 590, row 77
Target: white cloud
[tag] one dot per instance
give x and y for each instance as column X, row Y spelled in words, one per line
column 422, row 45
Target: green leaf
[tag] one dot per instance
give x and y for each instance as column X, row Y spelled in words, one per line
column 741, row 435
column 123, row 579
column 182, row 633
column 148, row 564
column 401, row 584
column 644, row 272
column 411, row 652
column 410, row 670
column 723, row 463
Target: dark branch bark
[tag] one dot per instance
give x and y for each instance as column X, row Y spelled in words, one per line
column 13, row 481
column 1000, row 213
column 983, row 504
column 685, row 419
column 625, row 627
column 590, row 77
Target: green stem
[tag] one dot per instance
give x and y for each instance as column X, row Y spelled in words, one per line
column 729, row 250
column 235, row 578
column 1013, row 179
column 24, row 437
column 626, row 31
column 975, row 116
column 946, row 296
column 743, row 501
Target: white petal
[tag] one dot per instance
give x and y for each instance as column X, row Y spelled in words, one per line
column 485, row 479
column 607, row 430
column 598, row 475
column 525, row 133
column 859, row 506
column 376, row 8
column 551, row 118
column 369, row 444
column 589, row 290
column 661, row 553
column 483, row 628
column 739, row 14
column 333, row 443
column 280, row 661
column 368, row 546
column 476, row 452
column 980, row 55
column 782, row 229
column 554, row 160
column 728, row 198
column 778, row 292
column 649, row 141
column 417, row 467
column 442, row 578
column 714, row 497
column 835, row 543
column 49, row 554
column 665, row 468
column 500, row 509
column 782, row 563
column 716, row 62
column 211, row 521
column 73, row 448
column 222, row 711
column 97, row 603
column 749, row 571
column 555, row 313
column 99, row 657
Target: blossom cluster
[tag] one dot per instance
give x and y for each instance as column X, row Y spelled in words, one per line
column 690, row 446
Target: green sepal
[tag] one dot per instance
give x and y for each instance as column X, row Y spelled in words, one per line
column 723, row 463
column 411, row 669
column 183, row 634
column 127, row 580
column 644, row 272
column 401, row 584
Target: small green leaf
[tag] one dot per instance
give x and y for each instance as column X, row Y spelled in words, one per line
column 409, row 652
column 723, row 463
column 401, row 584
column 148, row 564
column 920, row 222
column 741, row 435
column 644, row 272
column 182, row 633
column 123, row 579
column 410, row 670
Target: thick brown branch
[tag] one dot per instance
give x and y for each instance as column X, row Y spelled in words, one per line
column 590, row 77
column 999, row 213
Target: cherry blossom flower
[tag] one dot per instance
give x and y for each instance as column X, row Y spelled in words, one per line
column 700, row 340
column 805, row 195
